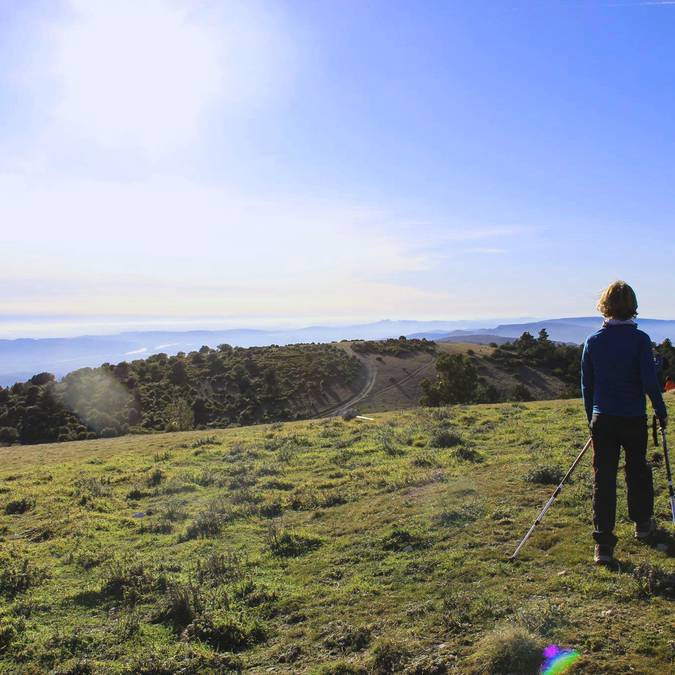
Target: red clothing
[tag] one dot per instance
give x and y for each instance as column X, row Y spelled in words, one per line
column 670, row 385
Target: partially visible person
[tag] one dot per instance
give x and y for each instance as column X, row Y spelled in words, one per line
column 669, row 385
column 617, row 370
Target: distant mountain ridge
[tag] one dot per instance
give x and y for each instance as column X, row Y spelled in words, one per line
column 574, row 330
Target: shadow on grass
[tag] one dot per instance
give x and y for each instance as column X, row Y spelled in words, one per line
column 88, row 598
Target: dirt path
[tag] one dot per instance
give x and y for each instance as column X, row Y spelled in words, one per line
column 341, row 408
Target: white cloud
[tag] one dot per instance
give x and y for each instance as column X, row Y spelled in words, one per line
column 173, row 246
column 144, row 75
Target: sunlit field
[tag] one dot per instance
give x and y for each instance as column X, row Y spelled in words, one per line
column 327, row 546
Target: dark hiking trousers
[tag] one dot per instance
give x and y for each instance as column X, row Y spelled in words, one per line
column 610, row 434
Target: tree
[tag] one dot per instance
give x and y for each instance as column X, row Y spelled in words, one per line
column 8, row 435
column 41, row 378
column 180, row 416
column 456, row 382
column 178, row 374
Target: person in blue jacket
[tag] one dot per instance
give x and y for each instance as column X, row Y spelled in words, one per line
column 617, row 370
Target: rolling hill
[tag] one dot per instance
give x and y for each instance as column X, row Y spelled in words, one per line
column 237, row 386
column 327, row 547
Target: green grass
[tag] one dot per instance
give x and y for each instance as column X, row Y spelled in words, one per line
column 325, row 546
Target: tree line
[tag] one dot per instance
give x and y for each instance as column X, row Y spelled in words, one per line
column 204, row 388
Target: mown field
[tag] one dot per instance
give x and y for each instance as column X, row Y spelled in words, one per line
column 325, row 546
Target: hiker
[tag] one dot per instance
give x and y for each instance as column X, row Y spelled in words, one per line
column 617, row 370
column 669, row 385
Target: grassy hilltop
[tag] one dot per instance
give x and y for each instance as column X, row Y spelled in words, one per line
column 324, row 546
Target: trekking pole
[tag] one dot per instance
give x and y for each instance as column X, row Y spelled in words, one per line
column 669, row 475
column 552, row 499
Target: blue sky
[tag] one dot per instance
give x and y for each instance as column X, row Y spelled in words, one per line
column 287, row 162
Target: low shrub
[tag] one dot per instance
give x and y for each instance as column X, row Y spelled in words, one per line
column 271, row 508
column 289, row 544
column 126, row 580
column 182, row 604
column 425, row 460
column 386, row 440
column 220, row 568
column 10, row 628
column 338, row 636
column 17, row 574
column 92, row 487
column 155, row 478
column 210, row 522
column 400, row 539
column 204, row 441
column 653, row 580
column 341, row 668
column 188, row 660
column 465, row 454
column 445, row 438
column 389, row 657
column 545, row 475
column 225, row 631
column 508, row 650
column 136, row 493
column 19, row 506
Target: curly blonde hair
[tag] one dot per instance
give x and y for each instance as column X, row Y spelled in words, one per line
column 618, row 301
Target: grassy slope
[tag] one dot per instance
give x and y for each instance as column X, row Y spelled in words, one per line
column 413, row 562
column 399, row 379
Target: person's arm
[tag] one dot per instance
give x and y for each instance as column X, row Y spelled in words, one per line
column 587, row 381
column 650, row 381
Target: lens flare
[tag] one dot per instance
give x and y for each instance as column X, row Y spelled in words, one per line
column 557, row 660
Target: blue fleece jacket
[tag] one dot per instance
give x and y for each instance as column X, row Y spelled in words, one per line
column 617, row 370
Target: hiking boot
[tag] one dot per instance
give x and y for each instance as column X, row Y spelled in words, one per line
column 604, row 554
column 644, row 531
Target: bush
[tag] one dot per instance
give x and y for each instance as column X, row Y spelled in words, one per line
column 389, row 657
column 225, row 631
column 508, row 650
column 126, row 580
column 8, row 435
column 341, row 668
column 17, row 575
column 545, row 475
column 271, row 508
column 445, row 438
column 209, row 523
column 468, row 455
column 19, row 506
column 425, row 460
column 287, row 544
column 342, row 637
column 220, row 568
column 10, row 628
column 183, row 603
column 653, row 580
column 386, row 439
column 155, row 478
column 522, row 393
column 190, row 660
column 89, row 487
column 400, row 539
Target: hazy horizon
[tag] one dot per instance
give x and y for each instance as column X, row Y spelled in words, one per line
column 45, row 326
